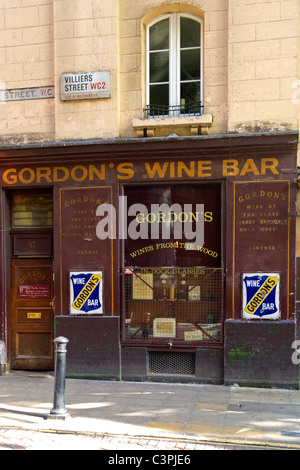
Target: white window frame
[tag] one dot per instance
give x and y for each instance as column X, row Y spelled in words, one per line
column 174, row 58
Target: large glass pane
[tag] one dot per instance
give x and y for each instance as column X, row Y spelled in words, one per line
column 167, row 247
column 159, row 67
column 189, row 33
column 190, row 64
column 159, row 95
column 190, row 92
column 32, row 210
column 159, row 35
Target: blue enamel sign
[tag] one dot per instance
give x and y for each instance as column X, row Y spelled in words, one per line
column 86, row 293
column 261, row 295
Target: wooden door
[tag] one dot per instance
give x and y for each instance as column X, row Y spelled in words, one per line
column 32, row 314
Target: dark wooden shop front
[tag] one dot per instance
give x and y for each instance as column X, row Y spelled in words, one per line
column 111, row 263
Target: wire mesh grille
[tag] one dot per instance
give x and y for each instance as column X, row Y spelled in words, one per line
column 171, row 363
column 178, row 304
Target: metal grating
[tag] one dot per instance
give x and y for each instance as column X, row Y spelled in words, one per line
column 177, row 304
column 171, row 363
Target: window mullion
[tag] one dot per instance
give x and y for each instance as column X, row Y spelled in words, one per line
column 173, row 62
column 178, row 62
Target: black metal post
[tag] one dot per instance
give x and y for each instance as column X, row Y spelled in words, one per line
column 59, row 410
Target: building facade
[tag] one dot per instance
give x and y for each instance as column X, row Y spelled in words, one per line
column 149, row 199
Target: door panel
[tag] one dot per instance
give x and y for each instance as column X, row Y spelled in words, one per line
column 32, row 314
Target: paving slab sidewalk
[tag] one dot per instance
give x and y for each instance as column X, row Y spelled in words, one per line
column 203, row 413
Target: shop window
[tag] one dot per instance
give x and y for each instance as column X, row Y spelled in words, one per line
column 174, row 66
column 32, row 210
column 173, row 286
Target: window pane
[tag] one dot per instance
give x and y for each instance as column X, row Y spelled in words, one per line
column 159, row 67
column 159, row 95
column 190, row 92
column 190, row 64
column 159, row 35
column 32, row 210
column 189, row 33
column 169, row 195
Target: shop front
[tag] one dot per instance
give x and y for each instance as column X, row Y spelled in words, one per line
column 159, row 259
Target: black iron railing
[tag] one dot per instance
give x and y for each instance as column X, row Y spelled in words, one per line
column 189, row 109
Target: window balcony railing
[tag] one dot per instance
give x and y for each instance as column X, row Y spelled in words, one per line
column 189, row 109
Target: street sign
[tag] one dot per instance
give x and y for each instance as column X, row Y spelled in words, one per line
column 23, row 94
column 83, row 86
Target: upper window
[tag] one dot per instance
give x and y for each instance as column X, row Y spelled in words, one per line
column 174, row 66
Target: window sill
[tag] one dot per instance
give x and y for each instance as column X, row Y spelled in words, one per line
column 152, row 127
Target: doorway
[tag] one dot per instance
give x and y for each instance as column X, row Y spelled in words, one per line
column 32, row 314
column 31, row 287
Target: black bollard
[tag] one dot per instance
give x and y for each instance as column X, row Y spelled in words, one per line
column 59, row 411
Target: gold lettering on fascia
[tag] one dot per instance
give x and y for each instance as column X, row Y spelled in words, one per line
column 152, row 171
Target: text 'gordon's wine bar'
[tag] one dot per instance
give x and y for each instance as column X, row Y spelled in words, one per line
column 127, row 171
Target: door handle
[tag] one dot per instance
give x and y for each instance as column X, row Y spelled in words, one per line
column 52, row 303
